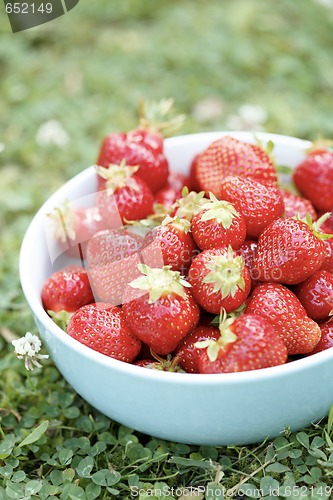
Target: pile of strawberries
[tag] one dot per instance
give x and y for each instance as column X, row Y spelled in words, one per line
column 221, row 271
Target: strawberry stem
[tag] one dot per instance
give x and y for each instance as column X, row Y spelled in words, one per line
column 227, row 337
column 315, row 226
column 155, row 116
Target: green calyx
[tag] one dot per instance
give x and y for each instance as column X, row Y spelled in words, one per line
column 227, row 337
column 220, row 210
column 180, row 223
column 168, row 364
column 118, row 176
column 189, row 204
column 61, row 318
column 315, row 225
column 268, row 148
column 157, row 116
column 160, row 281
column 151, row 221
column 226, row 273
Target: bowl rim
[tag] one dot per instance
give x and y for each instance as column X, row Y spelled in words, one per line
column 34, row 301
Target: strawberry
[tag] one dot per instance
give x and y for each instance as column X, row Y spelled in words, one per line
column 314, row 177
column 103, row 328
column 73, row 227
column 282, row 308
column 160, row 309
column 167, row 196
column 258, row 203
column 143, row 146
column 326, row 340
column 296, row 205
column 327, row 227
column 289, row 251
column 193, row 180
column 137, row 149
column 125, row 195
column 172, row 190
column 228, row 156
column 187, row 354
column 218, row 224
column 112, row 258
column 173, row 240
column 247, row 252
column 316, row 295
column 328, row 261
column 219, row 278
column 67, row 290
column 249, row 342
column 177, row 180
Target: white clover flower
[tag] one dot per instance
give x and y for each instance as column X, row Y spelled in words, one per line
column 52, row 132
column 2, row 147
column 249, row 117
column 27, row 348
column 326, row 3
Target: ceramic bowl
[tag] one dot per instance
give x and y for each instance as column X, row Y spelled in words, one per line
column 238, row 408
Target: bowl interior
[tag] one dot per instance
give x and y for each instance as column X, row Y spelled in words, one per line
column 40, row 255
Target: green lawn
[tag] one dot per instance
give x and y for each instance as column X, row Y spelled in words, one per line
column 228, row 64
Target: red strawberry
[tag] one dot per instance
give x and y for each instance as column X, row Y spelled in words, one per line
column 314, row 178
column 228, row 156
column 247, row 343
column 124, row 195
column 327, row 227
column 173, row 240
column 328, row 261
column 218, row 224
column 326, row 340
column 112, row 259
column 137, row 149
column 102, row 327
column 194, row 183
column 187, row 354
column 296, row 205
column 73, row 227
column 177, row 180
column 316, row 295
column 258, row 203
column 160, row 309
column 289, row 251
column 67, row 290
column 247, row 252
column 144, row 145
column 170, row 193
column 282, row 308
column 219, row 278
column 167, row 196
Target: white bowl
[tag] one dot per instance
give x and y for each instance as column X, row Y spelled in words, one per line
column 239, row 408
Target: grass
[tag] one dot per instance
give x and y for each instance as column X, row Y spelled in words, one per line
column 241, row 64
